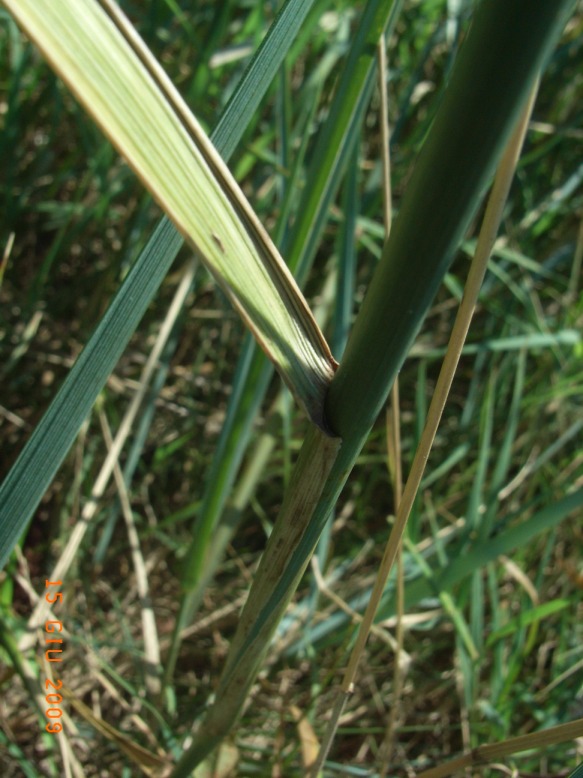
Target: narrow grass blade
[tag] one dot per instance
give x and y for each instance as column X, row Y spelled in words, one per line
column 526, row 618
column 262, row 69
column 36, row 466
column 476, row 497
column 496, row 751
column 151, row 642
column 97, row 52
column 535, row 340
column 463, row 630
column 348, row 257
column 152, row 379
column 335, row 142
column 505, row 542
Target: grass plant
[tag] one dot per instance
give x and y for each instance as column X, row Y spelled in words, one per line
column 154, row 418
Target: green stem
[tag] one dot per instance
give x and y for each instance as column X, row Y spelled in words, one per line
column 490, row 83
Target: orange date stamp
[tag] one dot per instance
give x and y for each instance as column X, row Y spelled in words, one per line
column 53, row 653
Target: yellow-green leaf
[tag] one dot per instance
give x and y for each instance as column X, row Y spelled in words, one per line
column 99, row 55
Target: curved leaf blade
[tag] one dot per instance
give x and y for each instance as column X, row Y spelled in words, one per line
column 109, row 69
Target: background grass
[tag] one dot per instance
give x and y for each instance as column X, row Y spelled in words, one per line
column 509, row 445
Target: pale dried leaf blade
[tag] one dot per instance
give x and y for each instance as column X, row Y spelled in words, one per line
column 309, row 743
column 169, row 151
column 221, row 765
column 151, row 764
